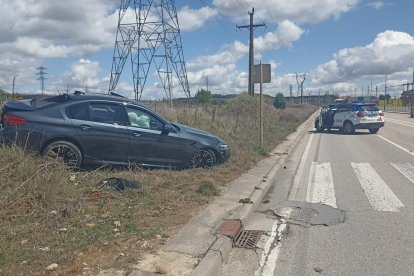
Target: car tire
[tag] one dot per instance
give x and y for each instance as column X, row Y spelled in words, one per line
column 203, row 158
column 373, row 130
column 348, row 128
column 65, row 151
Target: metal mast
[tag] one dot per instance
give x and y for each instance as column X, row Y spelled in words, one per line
column 152, row 39
column 42, row 78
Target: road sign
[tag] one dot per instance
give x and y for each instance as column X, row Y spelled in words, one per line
column 266, row 73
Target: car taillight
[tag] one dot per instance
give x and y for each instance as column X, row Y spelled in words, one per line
column 381, row 114
column 361, row 114
column 10, row 120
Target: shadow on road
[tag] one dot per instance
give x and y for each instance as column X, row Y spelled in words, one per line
column 338, row 132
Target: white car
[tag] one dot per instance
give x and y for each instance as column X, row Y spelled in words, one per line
column 350, row 116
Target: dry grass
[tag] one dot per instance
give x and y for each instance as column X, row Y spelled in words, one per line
column 51, row 215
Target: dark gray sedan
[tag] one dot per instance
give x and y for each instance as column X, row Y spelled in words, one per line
column 101, row 129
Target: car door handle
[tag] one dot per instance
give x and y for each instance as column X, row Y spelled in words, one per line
column 85, row 127
column 137, row 134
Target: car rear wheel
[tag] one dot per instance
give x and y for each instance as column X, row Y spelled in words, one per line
column 65, row 151
column 203, row 158
column 373, row 130
column 349, row 128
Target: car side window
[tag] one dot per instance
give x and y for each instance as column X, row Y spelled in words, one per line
column 107, row 113
column 142, row 119
column 78, row 112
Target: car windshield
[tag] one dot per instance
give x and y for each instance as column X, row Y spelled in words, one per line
column 369, row 108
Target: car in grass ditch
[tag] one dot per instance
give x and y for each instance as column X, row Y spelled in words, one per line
column 347, row 117
column 95, row 129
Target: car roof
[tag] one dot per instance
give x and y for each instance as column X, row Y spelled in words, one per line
column 91, row 97
column 351, row 104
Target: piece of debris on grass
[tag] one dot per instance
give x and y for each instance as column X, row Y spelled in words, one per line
column 246, row 200
column 318, row 269
column 208, row 189
column 120, row 184
column 99, row 195
column 52, row 267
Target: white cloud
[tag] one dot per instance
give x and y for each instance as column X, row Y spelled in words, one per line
column 310, row 11
column 48, row 28
column 376, row 5
column 286, row 33
column 390, row 53
column 192, row 19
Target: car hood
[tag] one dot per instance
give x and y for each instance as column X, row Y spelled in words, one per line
column 186, row 130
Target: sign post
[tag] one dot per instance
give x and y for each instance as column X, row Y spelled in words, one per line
column 261, row 74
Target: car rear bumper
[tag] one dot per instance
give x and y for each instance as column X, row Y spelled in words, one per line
column 369, row 125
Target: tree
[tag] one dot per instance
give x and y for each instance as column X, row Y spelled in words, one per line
column 203, row 96
column 280, row 101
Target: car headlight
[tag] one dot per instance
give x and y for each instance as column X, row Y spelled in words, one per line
column 223, row 147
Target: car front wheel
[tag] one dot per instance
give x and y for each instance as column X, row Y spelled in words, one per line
column 373, row 130
column 203, row 158
column 348, row 128
column 65, row 151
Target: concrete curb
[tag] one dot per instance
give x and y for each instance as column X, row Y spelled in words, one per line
column 218, row 253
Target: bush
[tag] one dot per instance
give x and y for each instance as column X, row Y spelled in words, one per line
column 280, row 101
column 203, row 96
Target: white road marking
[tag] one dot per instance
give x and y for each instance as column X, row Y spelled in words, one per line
column 272, row 249
column 299, row 171
column 405, row 169
column 400, row 122
column 320, row 185
column 395, row 145
column 379, row 194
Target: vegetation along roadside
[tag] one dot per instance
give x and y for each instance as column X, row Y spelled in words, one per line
column 81, row 223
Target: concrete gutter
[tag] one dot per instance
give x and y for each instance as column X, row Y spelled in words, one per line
column 198, row 239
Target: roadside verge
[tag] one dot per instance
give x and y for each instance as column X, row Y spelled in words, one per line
column 197, row 242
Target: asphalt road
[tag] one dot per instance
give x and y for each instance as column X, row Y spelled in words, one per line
column 368, row 176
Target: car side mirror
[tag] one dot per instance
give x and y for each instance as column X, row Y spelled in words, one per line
column 166, row 129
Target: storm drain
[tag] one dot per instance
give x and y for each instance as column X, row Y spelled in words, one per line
column 240, row 238
column 247, row 239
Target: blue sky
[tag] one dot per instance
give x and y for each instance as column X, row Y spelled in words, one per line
column 343, row 45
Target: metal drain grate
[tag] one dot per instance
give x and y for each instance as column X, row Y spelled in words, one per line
column 247, row 239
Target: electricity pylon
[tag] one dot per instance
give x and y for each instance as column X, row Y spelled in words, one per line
column 151, row 38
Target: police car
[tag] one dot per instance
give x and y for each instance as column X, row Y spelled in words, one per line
column 350, row 116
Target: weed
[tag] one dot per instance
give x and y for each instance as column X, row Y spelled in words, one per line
column 208, row 189
column 246, row 200
column 261, row 150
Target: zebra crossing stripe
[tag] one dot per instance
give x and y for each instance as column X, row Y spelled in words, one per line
column 405, row 169
column 320, row 185
column 378, row 193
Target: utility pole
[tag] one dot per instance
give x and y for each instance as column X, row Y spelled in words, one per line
column 300, row 79
column 251, row 27
column 13, row 84
column 42, row 78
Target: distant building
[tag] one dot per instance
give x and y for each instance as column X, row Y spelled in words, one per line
column 406, row 97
